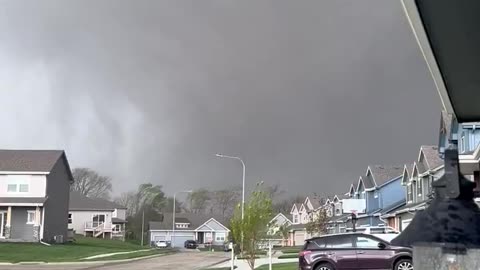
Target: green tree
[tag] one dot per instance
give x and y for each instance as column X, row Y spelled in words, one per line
column 284, row 231
column 318, row 224
column 252, row 230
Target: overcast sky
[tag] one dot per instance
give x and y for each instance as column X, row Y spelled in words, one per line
column 308, row 93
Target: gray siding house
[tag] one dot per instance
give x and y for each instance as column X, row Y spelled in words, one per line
column 188, row 226
column 34, row 195
column 95, row 217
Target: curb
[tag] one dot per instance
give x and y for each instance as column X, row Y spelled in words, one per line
column 104, row 262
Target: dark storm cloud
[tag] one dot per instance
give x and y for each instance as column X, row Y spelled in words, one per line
column 307, row 92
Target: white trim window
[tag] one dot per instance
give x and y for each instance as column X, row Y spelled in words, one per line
column 23, row 188
column 30, row 217
column 70, row 218
column 219, row 237
column 12, row 188
column 409, row 193
column 295, row 219
column 419, row 187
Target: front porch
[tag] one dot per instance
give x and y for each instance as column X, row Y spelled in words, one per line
column 21, row 223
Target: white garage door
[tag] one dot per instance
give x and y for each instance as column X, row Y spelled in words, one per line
column 179, row 240
column 299, row 238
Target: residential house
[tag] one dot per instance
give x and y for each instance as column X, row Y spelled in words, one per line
column 467, row 137
column 417, row 179
column 188, row 226
column 298, row 232
column 34, row 195
column 381, row 188
column 278, row 223
column 96, row 217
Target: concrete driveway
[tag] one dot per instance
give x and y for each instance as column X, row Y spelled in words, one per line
column 182, row 260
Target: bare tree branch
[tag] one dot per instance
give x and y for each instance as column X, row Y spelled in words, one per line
column 90, row 183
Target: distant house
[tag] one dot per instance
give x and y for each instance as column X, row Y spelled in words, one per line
column 96, row 217
column 34, row 195
column 417, row 180
column 188, row 226
column 381, row 188
column 279, row 221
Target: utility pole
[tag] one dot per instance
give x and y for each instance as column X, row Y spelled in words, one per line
column 143, row 225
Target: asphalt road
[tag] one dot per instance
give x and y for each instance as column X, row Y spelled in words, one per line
column 183, row 260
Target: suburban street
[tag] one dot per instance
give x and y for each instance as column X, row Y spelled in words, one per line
column 190, row 260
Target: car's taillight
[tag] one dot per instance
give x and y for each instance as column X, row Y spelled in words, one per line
column 304, row 252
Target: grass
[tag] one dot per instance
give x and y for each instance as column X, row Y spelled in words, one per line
column 81, row 248
column 280, row 266
column 215, row 248
column 288, row 256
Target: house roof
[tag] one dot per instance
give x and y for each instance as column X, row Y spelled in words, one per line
column 287, row 220
column 81, row 202
column 118, row 220
column 195, row 221
column 382, row 173
column 342, row 218
column 29, row 160
column 431, row 156
column 407, row 172
column 28, row 200
column 367, row 182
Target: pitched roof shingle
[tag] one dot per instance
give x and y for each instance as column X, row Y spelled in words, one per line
column 79, row 202
column 195, row 221
column 382, row 174
column 431, row 156
column 29, row 160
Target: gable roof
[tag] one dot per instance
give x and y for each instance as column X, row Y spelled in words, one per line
column 307, row 199
column 80, row 202
column 431, row 156
column 383, row 174
column 302, row 206
column 29, row 160
column 368, row 181
column 195, row 221
column 360, row 181
column 287, row 220
column 40, row 161
column 294, row 207
column 407, row 170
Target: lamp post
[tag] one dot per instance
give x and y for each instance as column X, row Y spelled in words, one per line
column 173, row 214
column 243, row 178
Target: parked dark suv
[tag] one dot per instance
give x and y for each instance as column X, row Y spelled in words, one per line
column 353, row 251
column 190, row 244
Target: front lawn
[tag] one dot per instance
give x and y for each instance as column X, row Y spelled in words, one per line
column 290, row 250
column 83, row 247
column 280, row 266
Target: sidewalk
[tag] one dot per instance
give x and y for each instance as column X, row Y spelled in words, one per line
column 243, row 265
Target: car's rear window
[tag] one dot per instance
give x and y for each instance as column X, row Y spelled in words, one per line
column 314, row 244
column 339, row 241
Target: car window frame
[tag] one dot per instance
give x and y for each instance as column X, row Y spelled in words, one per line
column 349, row 236
column 372, row 238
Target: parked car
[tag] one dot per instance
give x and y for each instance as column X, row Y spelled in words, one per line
column 190, row 244
column 353, row 251
column 161, row 244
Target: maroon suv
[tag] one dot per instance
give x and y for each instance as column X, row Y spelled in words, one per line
column 353, row 251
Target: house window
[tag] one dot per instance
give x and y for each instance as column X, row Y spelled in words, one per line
column 23, row 188
column 69, row 218
column 12, row 188
column 181, row 225
column 419, row 188
column 295, row 219
column 220, row 237
column 409, row 193
column 30, row 217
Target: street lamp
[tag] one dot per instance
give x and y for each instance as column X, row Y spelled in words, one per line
column 173, row 219
column 243, row 178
